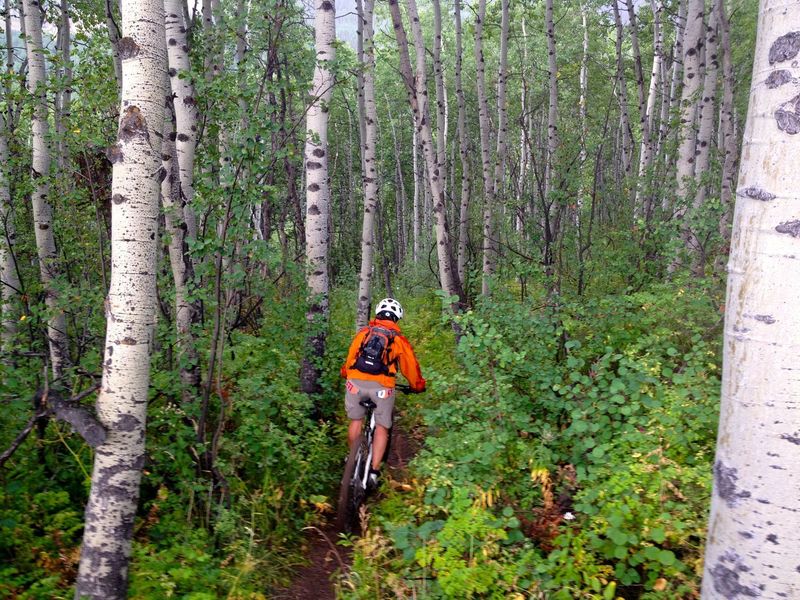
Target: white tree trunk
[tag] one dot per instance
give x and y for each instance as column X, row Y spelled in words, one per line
column 370, row 173
column 130, row 306
column 463, row 150
column 489, row 234
column 185, row 109
column 485, row 138
column 182, row 270
column 417, row 190
column 622, row 98
column 318, row 193
column 706, row 110
column 441, row 101
column 754, row 528
column 729, row 149
column 693, row 41
column 64, row 95
column 416, row 85
column 647, row 148
column 552, row 112
column 9, row 279
column 40, row 174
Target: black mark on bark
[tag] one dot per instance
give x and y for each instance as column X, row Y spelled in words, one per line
column 132, row 124
column 778, row 78
column 788, row 116
column 128, row 48
column 785, row 47
column 725, row 479
column 759, row 194
column 790, row 227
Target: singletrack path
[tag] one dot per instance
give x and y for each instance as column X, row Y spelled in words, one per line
column 313, row 581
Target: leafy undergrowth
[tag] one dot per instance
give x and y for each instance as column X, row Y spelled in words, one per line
column 567, row 456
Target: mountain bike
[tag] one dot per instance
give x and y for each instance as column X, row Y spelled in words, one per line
column 354, row 489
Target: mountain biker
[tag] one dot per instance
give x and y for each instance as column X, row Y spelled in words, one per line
column 379, row 387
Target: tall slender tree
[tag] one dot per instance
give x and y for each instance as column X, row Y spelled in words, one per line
column 463, row 149
column 753, row 544
column 9, row 279
column 130, row 306
column 370, row 172
column 416, row 87
column 40, row 175
column 318, row 194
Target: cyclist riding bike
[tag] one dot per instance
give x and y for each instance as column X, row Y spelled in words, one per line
column 376, row 354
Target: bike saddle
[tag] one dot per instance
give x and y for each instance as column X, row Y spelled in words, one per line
column 368, row 403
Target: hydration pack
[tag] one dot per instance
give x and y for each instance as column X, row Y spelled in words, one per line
column 373, row 355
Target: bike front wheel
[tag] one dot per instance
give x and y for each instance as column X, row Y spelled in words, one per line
column 352, row 492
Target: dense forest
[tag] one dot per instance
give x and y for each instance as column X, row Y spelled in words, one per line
column 202, row 202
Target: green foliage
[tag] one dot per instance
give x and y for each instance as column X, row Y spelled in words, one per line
column 569, row 454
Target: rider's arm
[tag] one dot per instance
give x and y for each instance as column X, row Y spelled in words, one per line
column 351, row 354
column 409, row 365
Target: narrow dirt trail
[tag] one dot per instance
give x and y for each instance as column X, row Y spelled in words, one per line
column 313, row 580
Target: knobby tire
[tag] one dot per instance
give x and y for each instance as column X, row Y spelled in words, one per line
column 351, row 493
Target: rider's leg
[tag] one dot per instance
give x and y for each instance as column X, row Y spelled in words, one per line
column 379, row 445
column 353, row 431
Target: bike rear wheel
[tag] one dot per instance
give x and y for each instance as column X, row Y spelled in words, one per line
column 352, row 492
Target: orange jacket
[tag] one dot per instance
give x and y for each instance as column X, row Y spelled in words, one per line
column 400, row 353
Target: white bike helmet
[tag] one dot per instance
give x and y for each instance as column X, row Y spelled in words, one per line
column 391, row 306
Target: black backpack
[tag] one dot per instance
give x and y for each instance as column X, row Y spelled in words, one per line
column 373, row 355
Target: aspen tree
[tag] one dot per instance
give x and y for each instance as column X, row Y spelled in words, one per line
column 370, row 172
column 485, row 134
column 417, row 188
column 463, row 150
column 130, row 306
column 441, row 102
column 182, row 270
column 753, row 540
column 706, row 110
column 693, row 42
column 64, row 94
column 642, row 205
column 416, row 87
column 40, row 174
column 186, row 115
column 489, row 242
column 729, row 146
column 9, row 279
column 318, row 193
column 552, row 111
column 622, row 98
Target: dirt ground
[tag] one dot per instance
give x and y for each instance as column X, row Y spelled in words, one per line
column 313, row 581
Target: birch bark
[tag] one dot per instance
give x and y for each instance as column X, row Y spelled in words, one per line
column 370, row 173
column 706, row 110
column 447, row 273
column 130, row 306
column 9, row 279
column 622, row 98
column 489, row 234
column 484, row 128
column 182, row 270
column 185, row 110
column 642, row 203
column 730, row 157
column 318, row 195
column 40, row 174
column 552, row 112
column 463, row 150
column 754, row 528
column 693, row 47
column 441, row 103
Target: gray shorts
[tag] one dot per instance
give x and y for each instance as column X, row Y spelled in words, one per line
column 357, row 389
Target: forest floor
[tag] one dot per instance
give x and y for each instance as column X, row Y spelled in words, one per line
column 316, row 579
